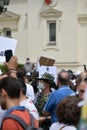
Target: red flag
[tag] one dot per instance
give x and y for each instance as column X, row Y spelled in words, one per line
column 48, row 1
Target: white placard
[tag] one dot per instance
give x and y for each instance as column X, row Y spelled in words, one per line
column 49, row 69
column 6, row 44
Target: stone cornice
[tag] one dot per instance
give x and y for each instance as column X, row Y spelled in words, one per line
column 82, row 18
column 51, row 12
column 66, row 64
column 9, row 16
column 9, row 20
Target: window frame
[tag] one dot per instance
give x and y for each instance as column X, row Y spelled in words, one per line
column 6, row 31
column 51, row 15
column 49, row 42
column 47, row 46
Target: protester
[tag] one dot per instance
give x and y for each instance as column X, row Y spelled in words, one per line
column 26, row 101
column 45, row 85
column 56, row 96
column 28, row 66
column 11, row 66
column 21, row 73
column 10, row 89
column 81, row 88
column 35, row 85
column 68, row 114
column 80, row 77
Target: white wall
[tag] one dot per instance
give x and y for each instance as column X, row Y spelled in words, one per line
column 82, row 32
column 73, row 44
column 67, row 47
column 20, row 8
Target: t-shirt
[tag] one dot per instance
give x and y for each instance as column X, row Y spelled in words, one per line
column 54, row 99
column 31, row 107
column 30, row 91
column 41, row 101
column 11, row 124
column 57, row 126
column 2, row 113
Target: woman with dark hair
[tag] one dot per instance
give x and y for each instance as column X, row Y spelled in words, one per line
column 68, row 114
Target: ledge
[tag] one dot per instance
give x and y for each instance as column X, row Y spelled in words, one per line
column 82, row 18
column 51, row 13
column 9, row 20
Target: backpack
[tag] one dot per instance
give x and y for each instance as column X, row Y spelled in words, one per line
column 22, row 122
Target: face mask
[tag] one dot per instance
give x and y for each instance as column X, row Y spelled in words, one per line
column 40, row 86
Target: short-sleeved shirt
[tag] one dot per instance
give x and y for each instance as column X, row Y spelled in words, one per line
column 41, row 101
column 58, row 126
column 31, row 107
column 54, row 99
column 11, row 124
column 30, row 91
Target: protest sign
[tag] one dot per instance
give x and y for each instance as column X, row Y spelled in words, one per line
column 49, row 69
column 6, row 44
column 46, row 61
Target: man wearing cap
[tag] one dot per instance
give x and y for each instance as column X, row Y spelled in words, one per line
column 45, row 85
column 56, row 96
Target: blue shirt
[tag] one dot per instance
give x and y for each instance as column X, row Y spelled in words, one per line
column 54, row 100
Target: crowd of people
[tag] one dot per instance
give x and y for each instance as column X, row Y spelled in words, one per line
column 52, row 106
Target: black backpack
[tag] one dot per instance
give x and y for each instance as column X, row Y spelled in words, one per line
column 22, row 123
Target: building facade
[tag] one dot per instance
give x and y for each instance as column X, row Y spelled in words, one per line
column 57, row 30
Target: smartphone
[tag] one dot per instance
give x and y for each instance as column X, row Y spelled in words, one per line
column 8, row 55
column 85, row 68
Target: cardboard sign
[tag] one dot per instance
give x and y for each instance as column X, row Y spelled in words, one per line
column 46, row 61
column 6, row 44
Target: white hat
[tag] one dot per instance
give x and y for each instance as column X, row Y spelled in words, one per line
column 77, row 73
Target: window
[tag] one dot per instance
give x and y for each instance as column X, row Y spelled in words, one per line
column 7, row 32
column 51, row 26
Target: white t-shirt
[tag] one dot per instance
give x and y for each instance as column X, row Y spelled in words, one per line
column 2, row 113
column 30, row 91
column 57, row 126
column 31, row 107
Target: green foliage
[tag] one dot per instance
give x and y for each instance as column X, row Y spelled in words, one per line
column 5, row 70
column 20, row 65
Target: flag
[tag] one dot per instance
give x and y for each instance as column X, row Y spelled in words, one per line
column 48, row 1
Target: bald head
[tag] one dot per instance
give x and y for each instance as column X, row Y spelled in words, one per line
column 81, row 88
column 64, row 78
column 81, row 77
